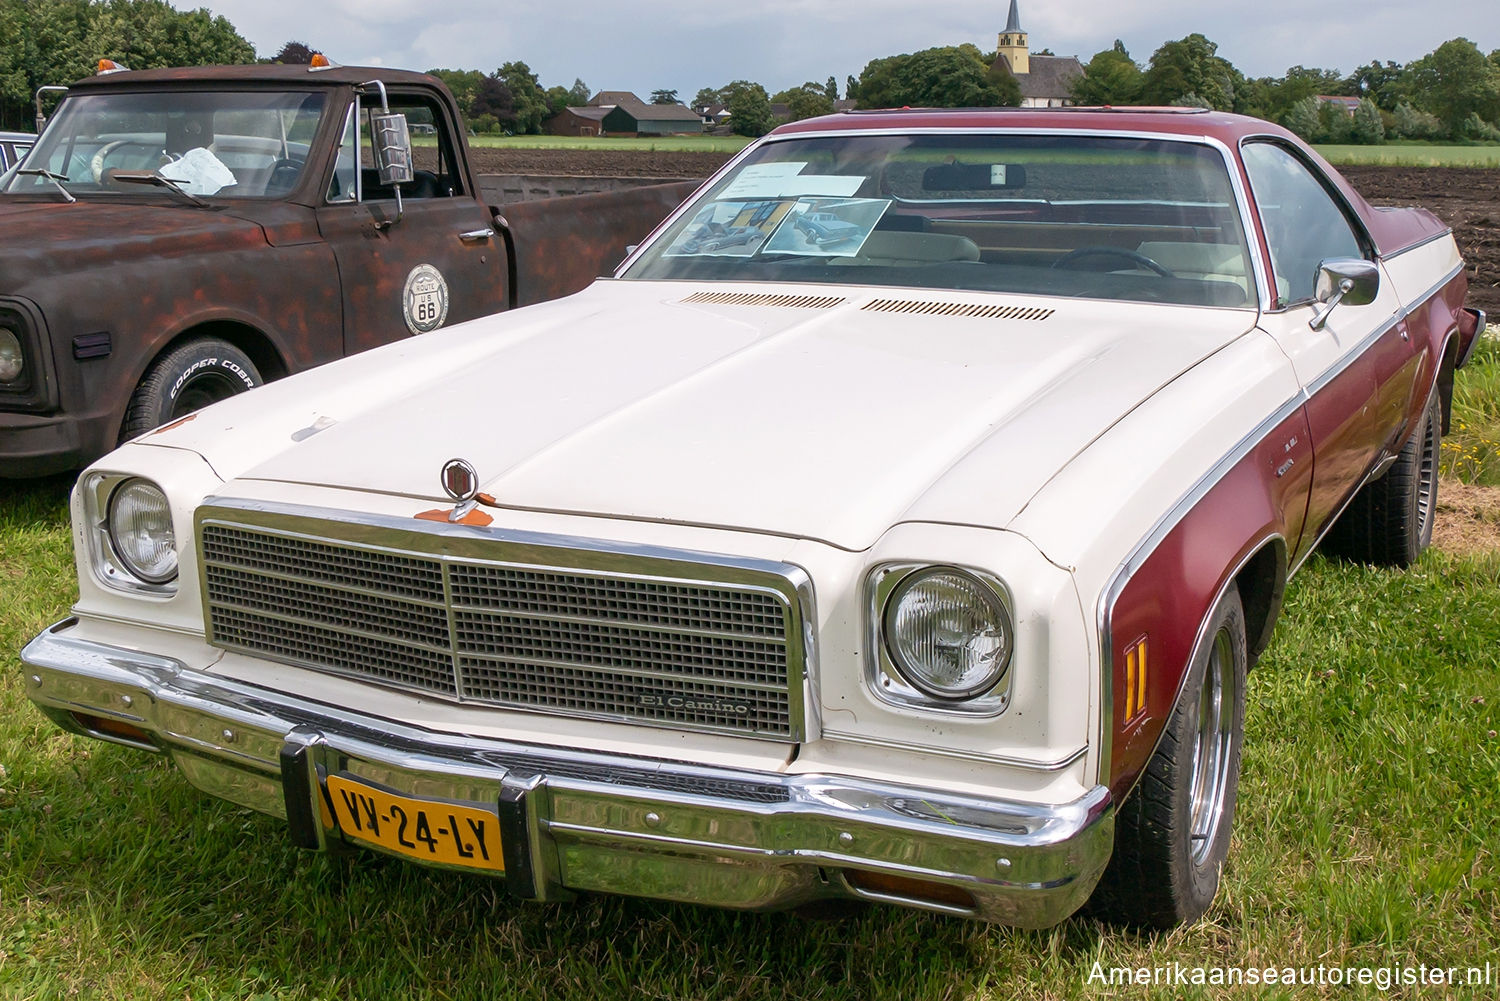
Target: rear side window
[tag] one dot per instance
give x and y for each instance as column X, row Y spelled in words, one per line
column 1304, row 224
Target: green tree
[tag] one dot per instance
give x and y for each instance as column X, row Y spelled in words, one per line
column 59, row 41
column 1111, row 77
column 1193, row 66
column 807, row 101
column 664, row 97
column 465, row 86
column 294, row 54
column 1367, row 128
column 558, row 98
column 831, row 89
column 955, row 76
column 1412, row 123
column 529, row 100
column 749, row 109
column 705, row 97
column 1376, row 81
column 578, row 94
column 1453, row 80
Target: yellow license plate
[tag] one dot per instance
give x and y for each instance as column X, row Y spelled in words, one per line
column 429, row 830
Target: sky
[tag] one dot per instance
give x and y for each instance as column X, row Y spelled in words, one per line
column 684, row 45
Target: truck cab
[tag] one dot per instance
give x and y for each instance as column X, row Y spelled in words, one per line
column 192, row 233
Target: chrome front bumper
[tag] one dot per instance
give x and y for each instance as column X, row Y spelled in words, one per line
column 573, row 820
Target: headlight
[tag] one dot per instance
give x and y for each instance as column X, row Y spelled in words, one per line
column 12, row 364
column 947, row 633
column 140, row 531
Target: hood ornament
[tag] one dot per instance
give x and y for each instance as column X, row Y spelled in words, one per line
column 461, row 482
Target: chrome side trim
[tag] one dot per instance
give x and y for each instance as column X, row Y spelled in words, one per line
column 446, row 542
column 1447, row 232
column 615, row 823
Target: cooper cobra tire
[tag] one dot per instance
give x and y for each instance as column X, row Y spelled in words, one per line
column 188, row 377
column 1389, row 522
column 1172, row 832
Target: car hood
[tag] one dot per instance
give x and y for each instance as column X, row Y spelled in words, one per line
column 51, row 237
column 809, row 412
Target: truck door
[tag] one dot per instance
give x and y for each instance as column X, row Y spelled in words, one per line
column 436, row 262
column 1347, row 366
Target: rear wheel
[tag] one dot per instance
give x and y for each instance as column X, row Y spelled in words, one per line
column 1172, row 833
column 1389, row 522
column 189, row 377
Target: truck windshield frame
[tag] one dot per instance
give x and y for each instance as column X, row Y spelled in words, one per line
column 1147, row 219
column 233, row 144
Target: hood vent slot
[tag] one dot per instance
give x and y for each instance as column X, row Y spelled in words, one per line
column 968, row 309
column 765, row 299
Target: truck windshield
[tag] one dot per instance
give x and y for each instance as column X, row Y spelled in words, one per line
column 1073, row 215
column 248, row 144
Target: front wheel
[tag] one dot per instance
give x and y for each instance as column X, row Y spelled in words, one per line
column 187, row 378
column 1172, row 832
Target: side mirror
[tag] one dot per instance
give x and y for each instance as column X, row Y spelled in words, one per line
column 1343, row 280
column 390, row 139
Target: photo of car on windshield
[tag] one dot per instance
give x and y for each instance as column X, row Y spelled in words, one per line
column 824, row 227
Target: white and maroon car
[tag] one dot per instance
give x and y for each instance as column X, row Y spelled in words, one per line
column 924, row 565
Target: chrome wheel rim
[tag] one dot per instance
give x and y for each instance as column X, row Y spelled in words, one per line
column 1212, row 748
column 1427, row 476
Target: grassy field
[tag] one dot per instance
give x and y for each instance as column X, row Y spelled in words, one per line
column 1412, row 154
column 651, row 144
column 1366, row 837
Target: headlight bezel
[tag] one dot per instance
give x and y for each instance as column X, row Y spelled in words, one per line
column 34, row 389
column 110, row 568
column 891, row 683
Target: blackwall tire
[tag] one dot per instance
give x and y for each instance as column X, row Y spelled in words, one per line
column 188, row 377
column 1389, row 522
column 1172, row 832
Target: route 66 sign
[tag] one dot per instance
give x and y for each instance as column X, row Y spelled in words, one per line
column 424, row 301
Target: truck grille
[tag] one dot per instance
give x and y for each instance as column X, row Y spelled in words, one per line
column 647, row 646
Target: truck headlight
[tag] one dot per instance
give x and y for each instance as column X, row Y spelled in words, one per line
column 12, row 363
column 947, row 633
column 139, row 525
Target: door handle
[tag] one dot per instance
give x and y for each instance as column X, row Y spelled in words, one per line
column 476, row 235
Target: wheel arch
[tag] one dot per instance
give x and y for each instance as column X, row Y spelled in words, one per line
column 258, row 345
column 1261, row 581
column 1447, row 366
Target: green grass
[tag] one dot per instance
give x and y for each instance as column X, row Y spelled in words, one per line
column 1471, row 450
column 1412, row 154
column 1366, row 837
column 649, row 144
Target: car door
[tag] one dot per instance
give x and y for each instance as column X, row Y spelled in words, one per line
column 434, row 260
column 1352, row 367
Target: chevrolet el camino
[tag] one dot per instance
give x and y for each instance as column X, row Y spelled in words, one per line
column 925, row 565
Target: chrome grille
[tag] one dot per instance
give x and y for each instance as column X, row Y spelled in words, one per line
column 650, row 645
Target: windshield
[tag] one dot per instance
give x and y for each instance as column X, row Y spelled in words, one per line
column 226, row 144
column 1102, row 217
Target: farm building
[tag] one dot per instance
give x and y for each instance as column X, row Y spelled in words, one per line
column 625, row 112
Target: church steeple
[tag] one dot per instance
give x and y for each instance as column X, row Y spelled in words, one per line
column 1013, row 45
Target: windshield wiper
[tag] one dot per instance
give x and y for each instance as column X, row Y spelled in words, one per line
column 56, row 180
column 156, row 180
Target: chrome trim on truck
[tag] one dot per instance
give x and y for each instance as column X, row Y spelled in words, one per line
column 577, row 820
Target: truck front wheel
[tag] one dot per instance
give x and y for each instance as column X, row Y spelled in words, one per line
column 187, row 378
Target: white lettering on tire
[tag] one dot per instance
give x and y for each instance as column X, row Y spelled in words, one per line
column 198, row 366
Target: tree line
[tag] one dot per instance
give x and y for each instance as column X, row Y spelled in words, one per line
column 1451, row 94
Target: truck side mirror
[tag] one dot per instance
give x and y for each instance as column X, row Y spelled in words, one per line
column 1343, row 280
column 391, row 144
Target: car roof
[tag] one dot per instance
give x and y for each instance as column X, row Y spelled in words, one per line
column 268, row 75
column 1187, row 122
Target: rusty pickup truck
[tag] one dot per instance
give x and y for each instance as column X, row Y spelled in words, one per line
column 192, row 233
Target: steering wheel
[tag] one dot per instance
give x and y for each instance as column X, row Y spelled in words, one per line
column 96, row 164
column 1134, row 257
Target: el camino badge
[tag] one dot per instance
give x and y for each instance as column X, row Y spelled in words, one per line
column 711, row 704
column 424, row 300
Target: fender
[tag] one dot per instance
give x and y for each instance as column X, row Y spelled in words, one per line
column 1249, row 508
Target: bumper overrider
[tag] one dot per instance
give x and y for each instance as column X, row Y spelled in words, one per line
column 567, row 820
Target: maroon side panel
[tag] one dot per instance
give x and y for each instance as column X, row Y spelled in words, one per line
column 1166, row 600
column 563, row 244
